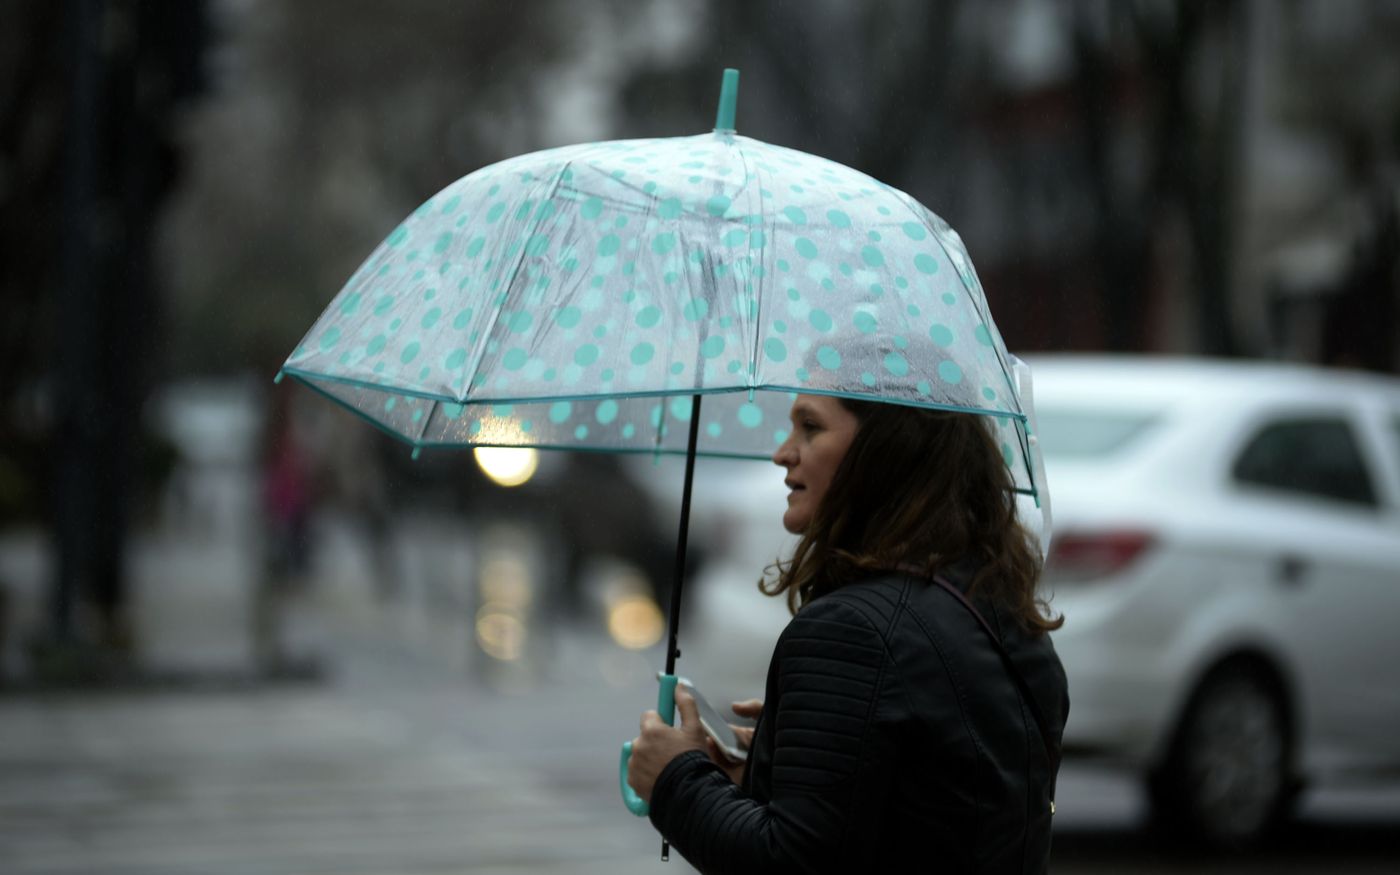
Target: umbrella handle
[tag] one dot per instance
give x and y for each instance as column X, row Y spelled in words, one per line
column 666, row 707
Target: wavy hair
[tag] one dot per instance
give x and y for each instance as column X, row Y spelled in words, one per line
column 917, row 490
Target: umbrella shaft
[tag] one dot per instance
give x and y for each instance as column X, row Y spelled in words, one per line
column 673, row 649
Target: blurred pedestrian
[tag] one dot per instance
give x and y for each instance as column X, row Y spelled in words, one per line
column 286, row 515
column 914, row 704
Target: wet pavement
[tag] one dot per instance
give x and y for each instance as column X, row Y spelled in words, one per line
column 413, row 753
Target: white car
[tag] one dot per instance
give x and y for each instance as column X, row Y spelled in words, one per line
column 1226, row 554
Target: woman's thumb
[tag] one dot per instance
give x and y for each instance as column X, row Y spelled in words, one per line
column 690, row 712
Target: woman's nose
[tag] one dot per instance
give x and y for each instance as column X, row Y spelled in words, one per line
column 784, row 455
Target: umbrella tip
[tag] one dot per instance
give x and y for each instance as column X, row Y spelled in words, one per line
column 277, row 379
column 728, row 100
column 417, row 451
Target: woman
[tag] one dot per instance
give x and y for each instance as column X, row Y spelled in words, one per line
column 898, row 734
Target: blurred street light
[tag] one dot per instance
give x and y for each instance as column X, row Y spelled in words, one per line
column 507, row 466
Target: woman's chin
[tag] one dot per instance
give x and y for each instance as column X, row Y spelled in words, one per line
column 795, row 522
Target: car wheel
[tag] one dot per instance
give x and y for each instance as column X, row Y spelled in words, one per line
column 1227, row 778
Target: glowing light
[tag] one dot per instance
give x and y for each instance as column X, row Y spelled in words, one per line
column 507, row 466
column 635, row 622
column 500, row 632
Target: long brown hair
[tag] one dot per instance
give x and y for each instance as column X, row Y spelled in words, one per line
column 918, row 489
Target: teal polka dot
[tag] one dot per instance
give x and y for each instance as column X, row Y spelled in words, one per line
column 463, row 318
column 586, row 355
column 384, row 305
column 949, row 299
column 592, row 208
column 806, row 248
column 712, row 347
column 867, row 378
column 522, row 212
column 780, row 436
column 865, row 322
column 736, row 237
column 452, row 411
column 949, row 372
column 519, row 323
column 941, row 334
column 444, row 240
column 676, row 368
column 670, row 208
column 350, row 304
column 390, row 404
column 714, row 430
column 581, row 432
column 758, row 240
column 474, row 248
column 829, row 358
column 895, row 364
column 983, row 336
column 609, row 245
column 330, row 338
column 515, row 359
column 795, row 215
column 680, row 408
column 820, row 320
column 497, row 210
column 774, row 349
column 750, row 415
column 628, row 430
column 376, row 345
column 600, row 332
column 431, row 317
column 925, row 263
column 560, row 411
column 717, row 205
column 914, row 231
column 923, row 387
column 568, row 317
column 456, row 359
column 1007, row 456
column 647, row 317
column 838, row 219
column 410, row 352
column 663, row 243
column 696, row 309
column 989, row 393
column 607, row 411
column 537, row 245
column 398, row 237
column 872, row 256
column 452, row 203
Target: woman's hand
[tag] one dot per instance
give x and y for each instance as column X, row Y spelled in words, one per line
column 749, row 708
column 659, row 744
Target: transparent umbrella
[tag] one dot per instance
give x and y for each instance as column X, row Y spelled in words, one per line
column 589, row 297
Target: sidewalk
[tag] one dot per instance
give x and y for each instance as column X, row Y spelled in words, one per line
column 407, row 758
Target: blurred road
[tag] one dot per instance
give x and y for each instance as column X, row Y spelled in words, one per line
column 414, row 757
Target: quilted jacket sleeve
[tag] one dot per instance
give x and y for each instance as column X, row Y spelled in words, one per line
column 832, row 760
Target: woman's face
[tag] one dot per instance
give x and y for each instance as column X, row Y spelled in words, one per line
column 822, row 431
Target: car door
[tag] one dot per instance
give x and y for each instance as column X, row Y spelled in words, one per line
column 1330, row 558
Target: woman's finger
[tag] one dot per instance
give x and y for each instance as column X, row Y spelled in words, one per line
column 748, row 707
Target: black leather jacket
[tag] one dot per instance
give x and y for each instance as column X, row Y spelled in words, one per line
column 892, row 739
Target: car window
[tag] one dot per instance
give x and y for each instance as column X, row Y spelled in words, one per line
column 1318, row 457
column 1088, row 433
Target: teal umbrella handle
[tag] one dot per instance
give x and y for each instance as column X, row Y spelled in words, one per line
column 666, row 707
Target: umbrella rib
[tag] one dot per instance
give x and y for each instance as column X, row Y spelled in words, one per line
column 510, row 282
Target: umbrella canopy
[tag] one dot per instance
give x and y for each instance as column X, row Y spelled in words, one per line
column 577, row 297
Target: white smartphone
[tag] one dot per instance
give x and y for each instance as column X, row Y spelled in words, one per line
column 714, row 723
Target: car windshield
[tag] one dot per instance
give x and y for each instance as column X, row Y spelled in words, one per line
column 1078, row 434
